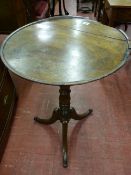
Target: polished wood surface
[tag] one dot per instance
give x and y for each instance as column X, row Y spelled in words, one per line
column 65, row 51
column 97, row 146
column 117, row 11
column 120, row 3
column 64, row 113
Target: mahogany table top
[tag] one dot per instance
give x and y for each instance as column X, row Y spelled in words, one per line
column 65, row 51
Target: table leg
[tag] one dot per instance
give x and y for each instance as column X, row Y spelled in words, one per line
column 76, row 116
column 64, row 113
column 51, row 120
column 64, row 143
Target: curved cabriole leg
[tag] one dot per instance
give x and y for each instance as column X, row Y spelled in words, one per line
column 64, row 141
column 76, row 116
column 51, row 120
column 66, row 12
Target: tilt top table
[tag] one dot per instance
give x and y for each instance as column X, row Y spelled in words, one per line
column 64, row 51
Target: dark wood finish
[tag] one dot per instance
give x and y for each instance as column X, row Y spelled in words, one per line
column 7, row 104
column 60, row 51
column 117, row 12
column 12, row 15
column 97, row 146
column 64, row 113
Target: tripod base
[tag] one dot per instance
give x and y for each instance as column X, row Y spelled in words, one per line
column 64, row 113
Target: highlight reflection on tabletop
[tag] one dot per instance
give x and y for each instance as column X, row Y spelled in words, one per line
column 65, row 51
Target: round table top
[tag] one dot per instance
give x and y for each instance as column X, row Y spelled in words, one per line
column 65, row 51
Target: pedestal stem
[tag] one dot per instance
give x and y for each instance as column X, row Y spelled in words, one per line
column 64, row 113
column 64, row 107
